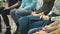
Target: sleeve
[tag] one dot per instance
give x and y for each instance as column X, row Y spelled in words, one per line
column 22, row 4
column 46, row 7
column 55, row 18
column 33, row 3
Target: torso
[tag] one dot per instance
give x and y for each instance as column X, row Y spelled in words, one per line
column 56, row 7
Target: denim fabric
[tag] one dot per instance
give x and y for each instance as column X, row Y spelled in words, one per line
column 32, row 31
column 29, row 22
column 16, row 14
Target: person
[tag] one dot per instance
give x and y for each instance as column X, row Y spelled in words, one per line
column 28, row 22
column 23, row 10
column 6, row 11
column 56, row 19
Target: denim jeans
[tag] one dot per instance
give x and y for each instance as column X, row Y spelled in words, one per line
column 29, row 22
column 32, row 31
column 16, row 14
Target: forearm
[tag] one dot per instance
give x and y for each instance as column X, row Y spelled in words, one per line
column 56, row 23
column 7, row 5
column 15, row 5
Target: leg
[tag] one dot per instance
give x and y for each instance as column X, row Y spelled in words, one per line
column 41, row 23
column 31, row 31
column 24, row 23
column 6, row 20
column 21, row 13
column 16, row 14
column 12, row 13
column 29, row 22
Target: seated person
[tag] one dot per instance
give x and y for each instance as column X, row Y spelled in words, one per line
column 50, row 29
column 27, row 23
column 56, row 19
column 23, row 10
column 6, row 11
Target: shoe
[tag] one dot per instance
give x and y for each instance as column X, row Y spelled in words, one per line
column 8, row 30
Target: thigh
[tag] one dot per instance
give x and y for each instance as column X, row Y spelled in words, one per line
column 33, row 30
column 41, row 23
column 6, row 12
column 23, row 12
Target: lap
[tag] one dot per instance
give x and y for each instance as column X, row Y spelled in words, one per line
column 7, row 12
column 23, row 12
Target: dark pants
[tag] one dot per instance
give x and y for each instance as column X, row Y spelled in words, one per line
column 4, row 14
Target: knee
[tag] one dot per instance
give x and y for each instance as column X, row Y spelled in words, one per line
column 18, row 12
column 13, row 11
column 31, row 31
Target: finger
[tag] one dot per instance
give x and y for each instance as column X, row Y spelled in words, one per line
column 43, row 29
column 36, row 32
column 41, row 16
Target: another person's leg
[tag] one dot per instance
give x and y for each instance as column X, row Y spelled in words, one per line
column 24, row 23
column 12, row 13
column 32, row 31
column 16, row 14
column 29, row 22
column 6, row 20
column 41, row 23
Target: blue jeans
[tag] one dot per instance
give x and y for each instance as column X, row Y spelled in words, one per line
column 31, row 31
column 16, row 14
column 29, row 22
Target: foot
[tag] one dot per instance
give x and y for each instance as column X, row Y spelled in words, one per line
column 8, row 30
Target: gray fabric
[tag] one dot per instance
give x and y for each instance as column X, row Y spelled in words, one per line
column 56, row 10
column 46, row 7
column 56, row 7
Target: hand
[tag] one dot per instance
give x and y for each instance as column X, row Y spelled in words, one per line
column 21, row 9
column 34, row 13
column 6, row 8
column 47, row 28
column 45, row 17
column 40, row 32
